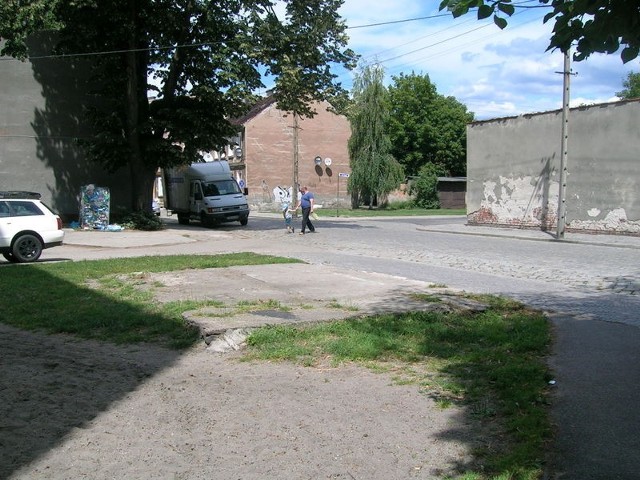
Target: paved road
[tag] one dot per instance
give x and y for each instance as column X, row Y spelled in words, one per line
column 590, row 283
column 582, row 276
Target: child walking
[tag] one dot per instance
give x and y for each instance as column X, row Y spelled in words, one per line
column 286, row 213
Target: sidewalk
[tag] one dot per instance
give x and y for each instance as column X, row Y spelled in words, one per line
column 620, row 241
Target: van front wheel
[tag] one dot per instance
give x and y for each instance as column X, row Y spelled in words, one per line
column 206, row 220
column 244, row 221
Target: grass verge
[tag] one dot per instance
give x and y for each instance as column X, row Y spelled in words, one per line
column 491, row 362
column 91, row 300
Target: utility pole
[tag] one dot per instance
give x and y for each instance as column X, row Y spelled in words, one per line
column 562, row 201
column 294, row 185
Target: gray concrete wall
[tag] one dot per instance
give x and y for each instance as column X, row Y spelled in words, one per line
column 513, row 169
column 42, row 101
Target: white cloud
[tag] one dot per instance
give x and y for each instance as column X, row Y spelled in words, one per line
column 494, row 72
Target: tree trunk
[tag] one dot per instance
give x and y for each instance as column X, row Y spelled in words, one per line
column 355, row 200
column 142, row 174
column 142, row 178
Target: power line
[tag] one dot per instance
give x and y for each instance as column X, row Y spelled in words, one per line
column 440, row 15
column 420, row 38
column 435, row 44
column 492, row 35
column 193, row 45
column 344, row 75
column 399, row 21
column 113, row 52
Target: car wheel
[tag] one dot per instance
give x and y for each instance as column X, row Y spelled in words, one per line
column 26, row 248
column 9, row 257
column 244, row 221
column 183, row 219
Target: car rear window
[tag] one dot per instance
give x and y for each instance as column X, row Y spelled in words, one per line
column 4, row 209
column 24, row 209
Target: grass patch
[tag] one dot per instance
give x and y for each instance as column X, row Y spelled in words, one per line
column 386, row 212
column 97, row 299
column 339, row 306
column 425, row 297
column 490, row 362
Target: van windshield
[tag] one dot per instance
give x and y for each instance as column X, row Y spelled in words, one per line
column 221, row 187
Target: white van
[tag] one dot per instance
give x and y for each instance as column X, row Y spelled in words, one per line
column 206, row 192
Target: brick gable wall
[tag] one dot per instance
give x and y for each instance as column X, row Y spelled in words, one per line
column 268, row 152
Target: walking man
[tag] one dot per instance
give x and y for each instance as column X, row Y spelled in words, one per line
column 306, row 202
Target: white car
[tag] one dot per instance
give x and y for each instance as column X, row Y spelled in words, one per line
column 27, row 226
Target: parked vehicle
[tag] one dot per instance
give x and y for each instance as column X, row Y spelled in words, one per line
column 206, row 192
column 27, row 226
column 155, row 207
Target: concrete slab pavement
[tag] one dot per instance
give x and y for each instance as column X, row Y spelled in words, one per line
column 250, row 297
column 137, row 239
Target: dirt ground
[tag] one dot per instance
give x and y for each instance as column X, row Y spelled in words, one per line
column 73, row 409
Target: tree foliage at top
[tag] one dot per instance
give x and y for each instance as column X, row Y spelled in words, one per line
column 374, row 171
column 589, row 26
column 631, row 86
column 426, row 127
column 204, row 58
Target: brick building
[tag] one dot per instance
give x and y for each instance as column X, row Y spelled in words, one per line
column 265, row 166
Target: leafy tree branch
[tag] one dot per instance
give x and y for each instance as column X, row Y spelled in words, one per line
column 588, row 26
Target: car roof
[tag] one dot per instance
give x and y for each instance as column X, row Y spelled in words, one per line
column 20, row 194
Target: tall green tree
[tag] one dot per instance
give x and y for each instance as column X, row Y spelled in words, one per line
column 426, row 127
column 631, row 86
column 205, row 58
column 374, row 171
column 590, row 26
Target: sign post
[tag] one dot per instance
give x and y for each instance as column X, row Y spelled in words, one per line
column 340, row 175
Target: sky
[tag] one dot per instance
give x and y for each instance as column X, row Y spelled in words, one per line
column 495, row 73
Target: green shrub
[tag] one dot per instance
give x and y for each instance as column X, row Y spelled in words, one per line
column 142, row 221
column 424, row 188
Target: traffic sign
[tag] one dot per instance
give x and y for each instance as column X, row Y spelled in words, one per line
column 343, row 175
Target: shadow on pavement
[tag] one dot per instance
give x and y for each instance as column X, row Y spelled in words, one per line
column 53, row 384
